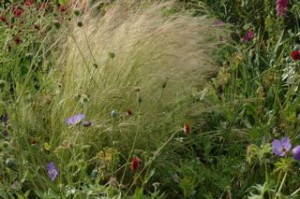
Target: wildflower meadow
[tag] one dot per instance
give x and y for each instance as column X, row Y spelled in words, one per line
column 107, row 99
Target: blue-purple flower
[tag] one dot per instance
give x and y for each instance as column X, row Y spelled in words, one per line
column 296, row 152
column 281, row 147
column 281, row 7
column 52, row 171
column 75, row 119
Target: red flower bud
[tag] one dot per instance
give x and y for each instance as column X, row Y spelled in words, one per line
column 135, row 163
column 17, row 40
column 33, row 142
column 18, row 12
column 295, row 55
column 186, row 128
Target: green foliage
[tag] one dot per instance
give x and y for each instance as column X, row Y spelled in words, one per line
column 258, row 85
column 135, row 71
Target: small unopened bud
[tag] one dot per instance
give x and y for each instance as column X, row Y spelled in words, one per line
column 79, row 24
column 111, row 55
column 137, row 89
column 5, row 144
column 76, row 12
column 10, row 162
column 56, row 24
column 87, row 124
column 2, row 83
column 95, row 65
column 114, row 113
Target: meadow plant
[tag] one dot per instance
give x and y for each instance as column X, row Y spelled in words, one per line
column 133, row 56
column 110, row 99
column 96, row 100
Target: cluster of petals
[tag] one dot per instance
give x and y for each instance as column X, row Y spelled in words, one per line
column 18, row 12
column 295, row 55
column 76, row 119
column 135, row 163
column 249, row 36
column 283, row 146
column 52, row 171
column 281, row 7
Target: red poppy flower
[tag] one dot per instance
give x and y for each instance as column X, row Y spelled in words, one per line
column 18, row 12
column 295, row 55
column 186, row 128
column 135, row 163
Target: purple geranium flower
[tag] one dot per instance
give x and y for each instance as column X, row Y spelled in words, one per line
column 52, row 171
column 296, row 152
column 281, row 7
column 281, row 147
column 75, row 119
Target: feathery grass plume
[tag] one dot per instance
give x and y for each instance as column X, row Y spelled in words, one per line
column 164, row 54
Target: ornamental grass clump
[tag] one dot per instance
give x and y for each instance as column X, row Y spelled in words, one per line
column 139, row 45
column 138, row 65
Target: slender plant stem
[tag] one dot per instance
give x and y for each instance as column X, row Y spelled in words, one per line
column 281, row 185
column 134, row 141
column 149, row 162
column 295, row 192
column 267, row 178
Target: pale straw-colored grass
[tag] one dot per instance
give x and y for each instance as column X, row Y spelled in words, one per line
column 159, row 58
